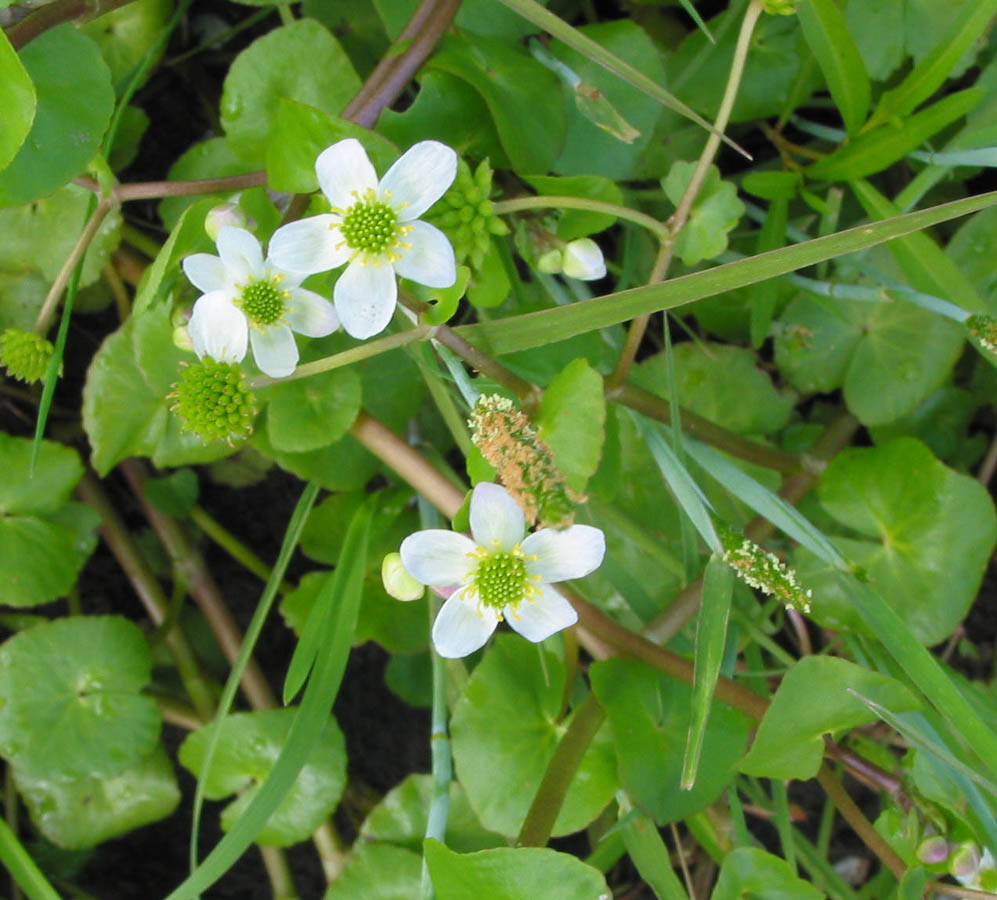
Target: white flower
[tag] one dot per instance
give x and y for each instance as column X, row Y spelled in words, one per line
column 249, row 299
column 373, row 226
column 583, row 259
column 500, row 575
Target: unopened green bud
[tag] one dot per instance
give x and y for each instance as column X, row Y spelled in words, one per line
column 965, row 862
column 933, row 850
column 466, row 215
column 397, row 581
column 550, row 263
column 213, row 400
column 24, row 354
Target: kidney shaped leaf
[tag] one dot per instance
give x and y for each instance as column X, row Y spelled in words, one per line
column 82, row 812
column 247, row 749
column 378, row 872
column 927, row 534
column 507, row 873
column 814, row 699
column 70, row 701
column 504, row 731
column 649, row 714
column 17, row 97
column 75, row 100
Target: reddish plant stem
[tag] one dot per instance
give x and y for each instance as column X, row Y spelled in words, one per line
column 53, row 14
column 202, row 587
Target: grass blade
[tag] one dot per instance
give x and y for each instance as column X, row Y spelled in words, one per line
column 536, row 329
column 22, row 868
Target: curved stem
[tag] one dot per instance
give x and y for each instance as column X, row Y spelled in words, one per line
column 53, row 14
column 44, row 319
column 541, row 201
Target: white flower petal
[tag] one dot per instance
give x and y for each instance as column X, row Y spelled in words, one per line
column 461, row 627
column 241, row 253
column 344, row 170
column 217, row 329
column 570, row 553
column 418, row 178
column 430, row 259
column 545, row 616
column 438, row 557
column 274, row 350
column 497, row 522
column 206, row 272
column 310, row 314
column 365, row 298
column 583, row 260
column 309, row 245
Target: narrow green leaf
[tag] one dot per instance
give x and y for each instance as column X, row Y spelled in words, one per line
column 308, row 724
column 711, row 635
column 839, row 59
column 764, row 298
column 873, row 151
column 683, row 486
column 650, row 855
column 929, row 74
column 927, row 266
column 17, row 99
column 22, row 867
column 536, row 329
column 913, row 883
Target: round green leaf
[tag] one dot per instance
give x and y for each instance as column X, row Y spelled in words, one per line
column 23, row 492
column 649, row 714
column 82, row 812
column 17, row 99
column 926, row 531
column 247, row 749
column 722, row 383
column 309, row 413
column 400, row 818
column 78, row 679
column 378, row 872
column 125, row 35
column 39, row 560
column 75, row 101
column 301, row 61
column 504, row 731
column 507, row 873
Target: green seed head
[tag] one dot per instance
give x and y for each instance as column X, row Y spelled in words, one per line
column 24, row 354
column 370, row 226
column 262, row 301
column 213, row 401
column 466, row 216
column 501, row 579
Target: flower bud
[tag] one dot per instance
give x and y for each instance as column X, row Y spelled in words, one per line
column 933, row 850
column 965, row 862
column 225, row 214
column 583, row 259
column 397, row 581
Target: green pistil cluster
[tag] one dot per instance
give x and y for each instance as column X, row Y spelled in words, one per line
column 466, row 214
column 524, row 463
column 24, row 354
column 984, row 329
column 762, row 570
column 500, row 579
column 263, row 302
column 213, row 401
column 370, row 226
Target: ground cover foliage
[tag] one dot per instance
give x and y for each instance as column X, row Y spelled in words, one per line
column 707, row 288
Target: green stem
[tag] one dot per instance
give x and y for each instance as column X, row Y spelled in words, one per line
column 561, row 769
column 233, row 546
column 279, row 872
column 517, row 204
column 348, row 357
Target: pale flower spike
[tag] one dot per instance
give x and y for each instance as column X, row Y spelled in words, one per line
column 500, row 572
column 374, row 227
column 249, row 300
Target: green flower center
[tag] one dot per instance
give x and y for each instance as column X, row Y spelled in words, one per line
column 263, row 302
column 24, row 354
column 370, row 226
column 213, row 401
column 501, row 579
